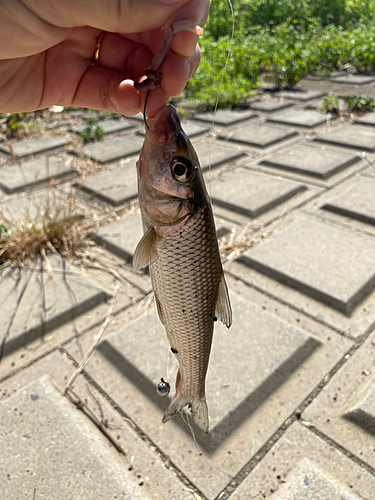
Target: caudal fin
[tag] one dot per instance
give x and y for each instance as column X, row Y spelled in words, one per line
column 199, row 411
column 175, row 406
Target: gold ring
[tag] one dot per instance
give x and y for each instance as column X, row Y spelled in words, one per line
column 95, row 58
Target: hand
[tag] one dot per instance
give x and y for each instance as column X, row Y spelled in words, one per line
column 47, row 51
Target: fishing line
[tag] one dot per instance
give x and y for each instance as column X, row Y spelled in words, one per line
column 185, row 417
column 144, row 110
column 219, row 91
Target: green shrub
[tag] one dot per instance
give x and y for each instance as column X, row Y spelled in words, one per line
column 236, row 84
column 359, row 11
column 359, row 103
column 330, row 104
column 284, row 55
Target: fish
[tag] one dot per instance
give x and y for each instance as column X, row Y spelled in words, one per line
column 180, row 247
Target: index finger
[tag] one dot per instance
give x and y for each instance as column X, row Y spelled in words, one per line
column 184, row 43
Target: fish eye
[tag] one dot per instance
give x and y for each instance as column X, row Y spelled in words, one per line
column 182, row 169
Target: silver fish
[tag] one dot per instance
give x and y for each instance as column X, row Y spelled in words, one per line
column 180, row 247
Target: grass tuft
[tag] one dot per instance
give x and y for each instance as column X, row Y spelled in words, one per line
column 56, row 227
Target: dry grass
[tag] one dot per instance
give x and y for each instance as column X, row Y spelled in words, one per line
column 56, row 235
column 55, row 225
column 237, row 242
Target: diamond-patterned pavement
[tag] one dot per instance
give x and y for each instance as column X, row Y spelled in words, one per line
column 290, row 387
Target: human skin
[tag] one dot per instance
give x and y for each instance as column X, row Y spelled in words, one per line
column 47, row 49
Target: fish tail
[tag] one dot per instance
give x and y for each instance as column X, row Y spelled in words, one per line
column 175, row 406
column 199, row 410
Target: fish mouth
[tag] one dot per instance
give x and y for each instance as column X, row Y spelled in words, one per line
column 166, row 117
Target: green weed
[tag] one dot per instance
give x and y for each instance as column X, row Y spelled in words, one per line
column 362, row 104
column 330, row 104
column 92, row 131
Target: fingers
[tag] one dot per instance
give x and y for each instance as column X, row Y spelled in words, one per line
column 100, row 88
column 176, row 71
column 119, row 54
column 195, row 10
column 130, row 16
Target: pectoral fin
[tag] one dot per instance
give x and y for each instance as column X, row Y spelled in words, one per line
column 146, row 252
column 223, row 309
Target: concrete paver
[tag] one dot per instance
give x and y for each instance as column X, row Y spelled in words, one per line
column 121, row 237
column 368, row 119
column 307, row 159
column 41, row 298
column 214, row 154
column 34, row 145
column 33, row 172
column 345, row 409
column 327, row 263
column 261, row 136
column 269, row 105
column 111, row 149
column 116, row 186
column 368, row 172
column 301, row 95
column 357, row 202
column 258, row 192
column 357, row 137
column 302, row 465
column 108, row 126
column 356, row 325
column 61, row 455
column 226, row 116
column 143, row 471
column 299, row 118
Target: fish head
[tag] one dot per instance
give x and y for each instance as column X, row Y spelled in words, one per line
column 170, row 182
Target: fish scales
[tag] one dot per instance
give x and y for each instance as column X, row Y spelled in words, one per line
column 186, row 280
